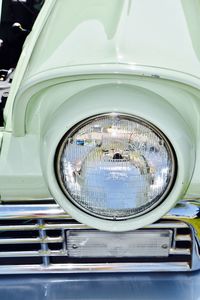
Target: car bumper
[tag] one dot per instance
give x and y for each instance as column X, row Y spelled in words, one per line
column 138, row 286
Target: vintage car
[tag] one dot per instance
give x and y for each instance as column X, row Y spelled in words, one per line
column 100, row 140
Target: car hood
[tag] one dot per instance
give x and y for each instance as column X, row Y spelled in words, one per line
column 90, row 37
column 119, row 32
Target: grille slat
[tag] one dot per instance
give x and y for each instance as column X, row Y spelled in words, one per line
column 46, row 226
column 32, row 253
column 75, row 226
column 180, row 251
column 185, row 237
column 46, row 240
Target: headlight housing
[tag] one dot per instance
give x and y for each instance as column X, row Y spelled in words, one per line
column 115, row 166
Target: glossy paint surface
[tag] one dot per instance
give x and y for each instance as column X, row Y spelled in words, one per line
column 102, row 287
column 70, row 35
column 130, row 31
column 77, row 45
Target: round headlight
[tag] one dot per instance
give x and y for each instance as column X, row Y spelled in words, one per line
column 115, row 167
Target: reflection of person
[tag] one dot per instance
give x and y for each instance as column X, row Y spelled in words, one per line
column 117, row 156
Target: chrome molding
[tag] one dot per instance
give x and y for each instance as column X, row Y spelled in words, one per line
column 183, row 220
column 128, row 117
column 97, row 268
column 32, row 211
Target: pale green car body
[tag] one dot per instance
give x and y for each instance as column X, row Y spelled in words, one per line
column 92, row 44
column 84, row 58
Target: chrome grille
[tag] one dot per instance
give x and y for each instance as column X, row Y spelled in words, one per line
column 33, row 239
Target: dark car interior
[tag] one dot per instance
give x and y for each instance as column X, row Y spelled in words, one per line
column 17, row 19
column 16, row 22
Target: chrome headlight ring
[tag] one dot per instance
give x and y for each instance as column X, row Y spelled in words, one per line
column 115, row 166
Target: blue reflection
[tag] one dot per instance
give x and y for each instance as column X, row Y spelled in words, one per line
column 115, row 186
column 147, row 286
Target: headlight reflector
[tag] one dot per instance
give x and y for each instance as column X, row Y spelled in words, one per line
column 115, row 166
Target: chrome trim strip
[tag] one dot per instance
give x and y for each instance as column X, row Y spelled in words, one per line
column 32, row 211
column 96, row 268
column 189, row 209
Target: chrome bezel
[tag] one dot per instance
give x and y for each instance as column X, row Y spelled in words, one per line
column 140, row 120
column 186, row 209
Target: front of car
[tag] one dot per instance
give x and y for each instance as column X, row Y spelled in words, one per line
column 99, row 164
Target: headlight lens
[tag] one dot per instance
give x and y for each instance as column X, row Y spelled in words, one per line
column 115, row 166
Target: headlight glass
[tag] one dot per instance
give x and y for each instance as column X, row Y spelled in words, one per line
column 115, row 166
